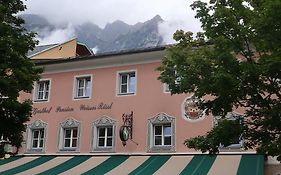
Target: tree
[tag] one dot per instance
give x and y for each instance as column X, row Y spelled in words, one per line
column 236, row 62
column 17, row 72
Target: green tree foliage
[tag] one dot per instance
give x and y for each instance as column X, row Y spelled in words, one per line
column 17, row 72
column 237, row 62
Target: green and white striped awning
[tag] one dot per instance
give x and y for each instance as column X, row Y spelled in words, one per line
column 251, row 164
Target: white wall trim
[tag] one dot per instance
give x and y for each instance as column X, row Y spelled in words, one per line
column 160, row 119
column 69, row 123
column 37, row 124
column 103, row 121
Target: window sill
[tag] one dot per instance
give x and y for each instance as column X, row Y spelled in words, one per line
column 81, row 98
column 162, row 149
column 33, row 150
column 69, row 150
column 126, row 94
column 45, row 100
column 102, row 150
column 235, row 146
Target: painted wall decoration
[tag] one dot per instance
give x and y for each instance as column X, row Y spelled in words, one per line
column 62, row 109
column 190, row 109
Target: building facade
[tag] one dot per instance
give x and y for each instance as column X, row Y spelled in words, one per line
column 78, row 106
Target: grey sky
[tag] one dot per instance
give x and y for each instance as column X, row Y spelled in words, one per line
column 176, row 13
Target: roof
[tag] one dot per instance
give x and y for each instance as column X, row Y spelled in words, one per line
column 88, row 50
column 135, row 164
column 39, row 49
column 48, row 47
column 101, row 55
column 81, row 49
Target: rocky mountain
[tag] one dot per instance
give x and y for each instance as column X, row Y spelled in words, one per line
column 114, row 36
column 37, row 24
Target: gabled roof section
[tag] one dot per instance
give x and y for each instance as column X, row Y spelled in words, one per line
column 39, row 49
column 68, row 49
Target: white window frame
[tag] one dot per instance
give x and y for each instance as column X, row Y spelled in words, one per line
column 35, row 126
column 103, row 122
column 45, row 97
column 105, row 137
column 69, row 124
column 166, row 88
column 71, row 138
column 161, row 119
column 178, row 79
column 76, row 88
column 119, row 83
column 39, row 139
column 162, row 134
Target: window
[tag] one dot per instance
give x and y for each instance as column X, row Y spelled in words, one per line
column 237, row 142
column 127, row 83
column 177, row 81
column 161, row 133
column 42, row 89
column 82, row 87
column 36, row 136
column 104, row 134
column 69, row 135
column 166, row 88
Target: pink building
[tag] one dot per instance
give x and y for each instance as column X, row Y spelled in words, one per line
column 78, row 105
column 114, row 105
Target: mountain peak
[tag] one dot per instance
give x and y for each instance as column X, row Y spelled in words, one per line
column 157, row 18
column 112, row 30
column 115, row 23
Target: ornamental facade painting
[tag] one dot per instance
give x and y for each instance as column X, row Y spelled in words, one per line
column 191, row 110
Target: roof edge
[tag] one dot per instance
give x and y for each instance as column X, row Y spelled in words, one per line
column 100, row 56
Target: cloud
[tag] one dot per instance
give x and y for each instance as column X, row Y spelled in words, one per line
column 177, row 14
column 102, row 12
column 182, row 18
column 57, row 36
column 95, row 49
column 167, row 28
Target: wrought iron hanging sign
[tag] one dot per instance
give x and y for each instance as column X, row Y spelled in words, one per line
column 126, row 130
column 124, row 133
